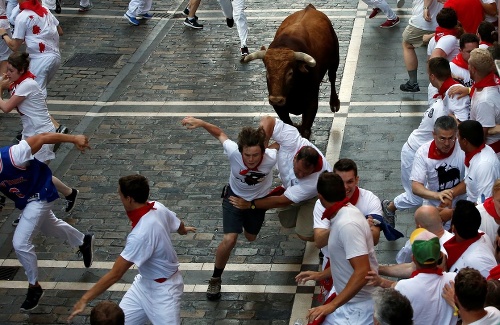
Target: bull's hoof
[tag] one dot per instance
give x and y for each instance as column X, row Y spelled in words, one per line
column 334, row 107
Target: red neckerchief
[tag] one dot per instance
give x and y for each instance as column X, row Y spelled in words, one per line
column 136, row 215
column 332, row 211
column 245, row 171
column 435, row 270
column 494, row 273
column 321, row 319
column 489, row 206
column 435, row 154
column 469, row 155
column 490, row 80
column 459, row 61
column 33, row 5
column 456, row 249
column 440, row 32
column 445, row 86
column 21, row 78
column 486, row 43
column 319, row 165
column 355, row 196
column 326, row 284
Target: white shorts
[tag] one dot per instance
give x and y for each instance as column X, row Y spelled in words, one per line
column 352, row 313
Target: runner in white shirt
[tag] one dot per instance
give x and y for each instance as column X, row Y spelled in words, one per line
column 299, row 163
column 459, row 65
column 490, row 213
column 155, row 294
column 250, row 178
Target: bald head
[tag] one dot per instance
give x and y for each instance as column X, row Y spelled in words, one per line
column 427, row 217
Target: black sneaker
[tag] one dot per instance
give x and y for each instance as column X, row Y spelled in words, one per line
column 244, row 52
column 186, row 11
column 193, row 23
column 213, row 290
column 87, row 249
column 32, row 298
column 230, row 22
column 409, row 87
column 389, row 216
column 71, row 200
column 62, row 129
column 16, row 222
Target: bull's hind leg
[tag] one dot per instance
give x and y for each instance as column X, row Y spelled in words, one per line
column 334, row 99
column 308, row 118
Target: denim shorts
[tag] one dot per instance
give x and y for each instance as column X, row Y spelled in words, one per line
column 235, row 220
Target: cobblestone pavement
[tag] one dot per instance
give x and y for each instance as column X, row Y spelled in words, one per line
column 128, row 87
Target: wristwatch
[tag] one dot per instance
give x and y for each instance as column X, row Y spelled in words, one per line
column 252, row 205
column 4, row 34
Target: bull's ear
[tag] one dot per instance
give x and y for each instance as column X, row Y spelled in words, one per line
column 262, row 48
column 303, row 67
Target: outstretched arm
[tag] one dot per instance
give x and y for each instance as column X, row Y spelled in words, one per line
column 183, row 230
column 36, row 142
column 192, row 123
column 268, row 122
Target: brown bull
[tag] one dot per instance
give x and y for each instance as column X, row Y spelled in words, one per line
column 304, row 48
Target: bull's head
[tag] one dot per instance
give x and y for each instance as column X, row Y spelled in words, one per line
column 281, row 65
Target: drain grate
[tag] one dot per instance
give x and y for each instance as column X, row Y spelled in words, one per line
column 93, row 60
column 162, row 15
column 8, row 272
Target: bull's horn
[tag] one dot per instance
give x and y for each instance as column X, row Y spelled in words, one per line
column 301, row 56
column 254, row 56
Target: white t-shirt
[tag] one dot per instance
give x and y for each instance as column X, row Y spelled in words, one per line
column 405, row 254
column 481, row 174
column 254, row 184
column 448, row 43
column 438, row 175
column 424, row 292
column 462, row 74
column 4, row 22
column 290, row 141
column 350, row 237
column 149, row 245
column 46, row 41
column 460, row 107
column 485, row 108
column 478, row 255
column 423, row 133
column 491, row 318
column 417, row 18
column 488, row 224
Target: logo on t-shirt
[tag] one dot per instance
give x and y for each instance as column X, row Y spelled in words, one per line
column 253, row 177
column 448, row 176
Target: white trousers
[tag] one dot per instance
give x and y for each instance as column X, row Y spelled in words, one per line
column 407, row 200
column 35, row 217
column 139, row 7
column 382, row 5
column 352, row 313
column 236, row 9
column 160, row 303
column 45, row 68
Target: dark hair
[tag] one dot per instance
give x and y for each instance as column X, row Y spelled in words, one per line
column 447, row 18
column 468, row 38
column 346, row 165
column 487, row 32
column 493, row 294
column 445, row 123
column 466, row 219
column 135, row 186
column 20, row 61
column 331, row 187
column 250, row 137
column 470, row 289
column 107, row 313
column 495, row 51
column 472, row 131
column 390, row 307
column 440, row 67
column 309, row 156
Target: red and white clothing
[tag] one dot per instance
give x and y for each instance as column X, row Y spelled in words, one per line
column 350, row 237
column 488, row 223
column 478, row 255
column 469, row 13
column 405, row 254
column 245, row 183
column 492, row 317
column 425, row 294
column 290, row 141
column 448, row 44
column 150, row 248
column 485, row 108
column 437, row 173
column 482, row 172
column 42, row 44
column 460, row 70
column 34, row 115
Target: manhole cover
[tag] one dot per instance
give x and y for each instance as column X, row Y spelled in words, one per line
column 8, row 272
column 94, row 60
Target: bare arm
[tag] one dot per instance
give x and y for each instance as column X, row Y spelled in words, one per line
column 267, row 203
column 420, row 190
column 119, row 268
column 402, row 271
column 193, row 123
column 36, row 142
column 438, row 53
column 490, row 8
column 361, row 267
column 183, row 230
column 321, row 237
column 13, row 43
column 268, row 122
column 305, row 276
column 8, row 105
